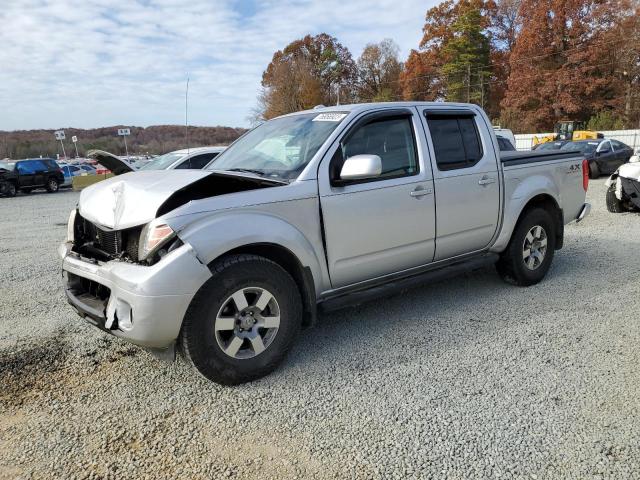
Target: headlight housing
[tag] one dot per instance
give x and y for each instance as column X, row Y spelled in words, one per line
column 71, row 225
column 154, row 235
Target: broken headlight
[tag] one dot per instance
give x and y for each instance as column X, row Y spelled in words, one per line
column 153, row 236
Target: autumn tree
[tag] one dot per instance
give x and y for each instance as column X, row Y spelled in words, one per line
column 453, row 61
column 307, row 72
column 569, row 61
column 379, row 72
column 421, row 78
column 505, row 24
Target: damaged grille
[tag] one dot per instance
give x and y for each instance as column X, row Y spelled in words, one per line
column 101, row 244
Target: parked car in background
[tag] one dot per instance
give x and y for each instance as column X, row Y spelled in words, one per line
column 505, row 145
column 541, row 147
column 186, row 159
column 29, row 174
column 505, row 133
column 623, row 187
column 88, row 169
column 312, row 210
column 604, row 155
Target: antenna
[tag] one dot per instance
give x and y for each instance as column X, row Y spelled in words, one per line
column 186, row 115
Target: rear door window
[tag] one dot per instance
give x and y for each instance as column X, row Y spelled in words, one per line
column 456, row 140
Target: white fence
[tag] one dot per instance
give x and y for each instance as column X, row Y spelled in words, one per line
column 630, row 137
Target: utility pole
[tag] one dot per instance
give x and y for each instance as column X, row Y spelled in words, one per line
column 469, row 83
column 186, row 116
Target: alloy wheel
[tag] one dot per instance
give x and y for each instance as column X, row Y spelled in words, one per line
column 247, row 322
column 534, row 247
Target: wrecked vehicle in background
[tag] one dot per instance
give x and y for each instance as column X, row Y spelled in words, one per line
column 188, row 158
column 623, row 187
column 312, row 210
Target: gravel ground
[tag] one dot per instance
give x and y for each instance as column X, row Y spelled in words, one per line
column 470, row 378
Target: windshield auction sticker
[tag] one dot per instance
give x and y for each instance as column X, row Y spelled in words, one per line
column 329, row 117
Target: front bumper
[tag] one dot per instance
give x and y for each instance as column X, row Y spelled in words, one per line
column 142, row 304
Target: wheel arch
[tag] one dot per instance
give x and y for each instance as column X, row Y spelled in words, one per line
column 291, row 264
column 520, row 206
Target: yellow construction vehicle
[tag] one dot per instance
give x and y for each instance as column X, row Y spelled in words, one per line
column 568, row 130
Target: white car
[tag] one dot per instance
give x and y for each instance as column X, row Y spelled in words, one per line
column 191, row 158
column 623, row 187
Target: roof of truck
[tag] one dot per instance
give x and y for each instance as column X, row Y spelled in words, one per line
column 356, row 107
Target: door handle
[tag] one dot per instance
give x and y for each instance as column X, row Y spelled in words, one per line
column 486, row 181
column 421, row 192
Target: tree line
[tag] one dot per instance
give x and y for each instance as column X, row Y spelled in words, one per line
column 152, row 140
column 528, row 63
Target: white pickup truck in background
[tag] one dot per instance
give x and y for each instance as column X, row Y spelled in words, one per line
column 315, row 209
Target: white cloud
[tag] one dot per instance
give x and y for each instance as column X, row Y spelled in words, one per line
column 89, row 63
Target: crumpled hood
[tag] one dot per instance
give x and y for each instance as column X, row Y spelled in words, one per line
column 630, row 171
column 133, row 198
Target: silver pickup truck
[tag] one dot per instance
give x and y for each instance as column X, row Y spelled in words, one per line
column 312, row 210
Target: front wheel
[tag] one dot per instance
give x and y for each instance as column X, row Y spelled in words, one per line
column 243, row 321
column 530, row 251
column 614, row 205
column 9, row 189
column 52, row 185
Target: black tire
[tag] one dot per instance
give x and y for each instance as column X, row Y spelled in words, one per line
column 594, row 170
column 198, row 340
column 52, row 185
column 10, row 189
column 613, row 204
column 511, row 266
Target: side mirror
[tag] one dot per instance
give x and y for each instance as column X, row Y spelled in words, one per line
column 361, row 167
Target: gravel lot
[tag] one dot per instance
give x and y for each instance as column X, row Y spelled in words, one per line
column 471, row 378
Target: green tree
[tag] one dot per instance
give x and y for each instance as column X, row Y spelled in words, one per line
column 467, row 58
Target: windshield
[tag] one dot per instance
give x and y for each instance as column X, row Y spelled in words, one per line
column 279, row 148
column 582, row 147
column 7, row 166
column 162, row 162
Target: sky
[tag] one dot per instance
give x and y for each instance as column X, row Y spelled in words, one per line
column 94, row 63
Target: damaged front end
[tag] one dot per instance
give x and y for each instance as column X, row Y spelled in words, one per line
column 625, row 184
column 119, row 219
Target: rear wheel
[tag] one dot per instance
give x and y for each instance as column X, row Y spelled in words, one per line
column 594, row 170
column 52, row 185
column 528, row 257
column 614, row 205
column 243, row 321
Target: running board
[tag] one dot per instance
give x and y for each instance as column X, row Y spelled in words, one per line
column 355, row 296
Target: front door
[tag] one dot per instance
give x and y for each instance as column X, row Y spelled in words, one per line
column 383, row 225
column 466, row 179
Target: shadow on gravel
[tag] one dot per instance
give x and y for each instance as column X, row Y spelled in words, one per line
column 23, row 370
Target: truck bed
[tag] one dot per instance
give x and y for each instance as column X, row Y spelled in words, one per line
column 520, row 158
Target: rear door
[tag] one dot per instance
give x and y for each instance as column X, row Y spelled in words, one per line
column 606, row 157
column 26, row 173
column 385, row 225
column 466, row 179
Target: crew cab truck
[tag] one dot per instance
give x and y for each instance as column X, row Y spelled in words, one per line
column 312, row 210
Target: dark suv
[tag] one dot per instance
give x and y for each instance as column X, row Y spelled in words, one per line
column 26, row 175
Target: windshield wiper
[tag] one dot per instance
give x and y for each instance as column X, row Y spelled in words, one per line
column 246, row 170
